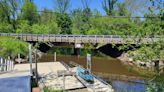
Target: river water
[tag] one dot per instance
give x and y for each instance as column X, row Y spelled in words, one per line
column 107, row 66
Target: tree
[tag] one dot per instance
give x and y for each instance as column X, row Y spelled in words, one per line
column 50, row 28
column 9, row 12
column 156, row 5
column 137, row 7
column 81, row 20
column 108, row 6
column 48, row 23
column 122, row 10
column 65, row 23
column 62, row 5
column 12, row 47
column 47, row 16
column 4, row 12
column 29, row 12
column 23, row 27
column 86, row 3
column 6, row 28
column 77, row 21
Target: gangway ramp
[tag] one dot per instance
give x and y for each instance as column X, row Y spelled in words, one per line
column 98, row 86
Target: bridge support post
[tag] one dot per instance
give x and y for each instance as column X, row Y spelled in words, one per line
column 77, row 49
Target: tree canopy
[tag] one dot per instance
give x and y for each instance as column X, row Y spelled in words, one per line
column 120, row 19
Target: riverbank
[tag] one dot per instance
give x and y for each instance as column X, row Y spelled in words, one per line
column 145, row 69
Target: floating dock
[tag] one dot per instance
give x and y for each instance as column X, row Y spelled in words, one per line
column 99, row 85
column 58, row 75
column 51, row 75
column 55, row 75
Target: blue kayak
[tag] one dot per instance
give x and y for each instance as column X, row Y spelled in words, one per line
column 83, row 73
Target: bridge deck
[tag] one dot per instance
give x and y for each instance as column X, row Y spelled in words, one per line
column 83, row 38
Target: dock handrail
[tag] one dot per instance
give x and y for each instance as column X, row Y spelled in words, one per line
column 6, row 65
column 103, row 81
column 75, row 64
column 66, row 66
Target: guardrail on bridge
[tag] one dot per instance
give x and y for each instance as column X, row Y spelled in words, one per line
column 105, row 39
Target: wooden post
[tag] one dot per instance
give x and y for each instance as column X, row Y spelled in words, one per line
column 55, row 57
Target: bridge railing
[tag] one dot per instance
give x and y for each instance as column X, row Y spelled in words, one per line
column 83, row 38
column 60, row 35
column 91, row 36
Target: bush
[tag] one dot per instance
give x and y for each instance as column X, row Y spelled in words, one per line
column 47, row 89
column 12, row 47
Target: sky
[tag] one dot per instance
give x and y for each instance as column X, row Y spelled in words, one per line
column 95, row 4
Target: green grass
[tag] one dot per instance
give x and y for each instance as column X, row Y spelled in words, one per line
column 47, row 89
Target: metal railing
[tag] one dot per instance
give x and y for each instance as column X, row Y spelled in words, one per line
column 60, row 35
column 6, row 65
column 90, row 36
column 95, row 76
column 84, row 38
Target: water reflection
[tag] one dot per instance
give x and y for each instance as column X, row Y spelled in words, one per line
column 122, row 86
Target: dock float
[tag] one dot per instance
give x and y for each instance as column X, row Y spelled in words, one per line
column 58, row 76
column 99, row 85
column 55, row 75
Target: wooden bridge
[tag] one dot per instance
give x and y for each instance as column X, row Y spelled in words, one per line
column 105, row 39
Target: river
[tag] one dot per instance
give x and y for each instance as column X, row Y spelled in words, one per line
column 105, row 65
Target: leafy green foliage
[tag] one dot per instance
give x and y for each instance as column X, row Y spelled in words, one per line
column 51, row 28
column 122, row 9
column 112, row 26
column 64, row 22
column 24, row 27
column 47, row 89
column 81, row 21
column 62, row 5
column 29, row 12
column 6, row 28
column 108, row 6
column 85, row 21
column 12, row 47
